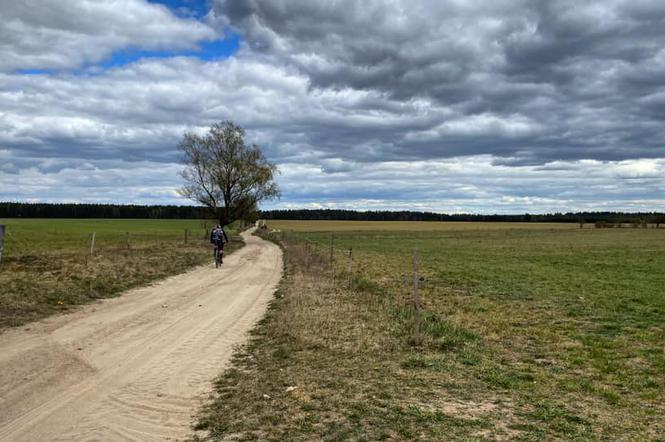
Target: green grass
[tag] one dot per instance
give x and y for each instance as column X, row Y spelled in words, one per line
column 47, row 266
column 27, row 236
column 529, row 333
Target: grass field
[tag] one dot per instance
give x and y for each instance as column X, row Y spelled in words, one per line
column 47, row 265
column 74, row 235
column 410, row 226
column 530, row 332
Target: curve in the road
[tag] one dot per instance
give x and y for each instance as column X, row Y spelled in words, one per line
column 134, row 367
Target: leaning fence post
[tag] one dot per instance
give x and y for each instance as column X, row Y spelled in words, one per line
column 2, row 240
column 416, row 298
column 350, row 266
column 92, row 244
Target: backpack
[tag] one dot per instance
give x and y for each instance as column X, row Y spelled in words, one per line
column 216, row 235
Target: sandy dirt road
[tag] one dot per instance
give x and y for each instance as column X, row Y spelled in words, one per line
column 134, row 367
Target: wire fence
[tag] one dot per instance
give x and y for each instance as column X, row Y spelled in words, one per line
column 20, row 244
column 350, row 271
column 347, row 260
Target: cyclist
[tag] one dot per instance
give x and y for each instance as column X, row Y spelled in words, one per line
column 218, row 238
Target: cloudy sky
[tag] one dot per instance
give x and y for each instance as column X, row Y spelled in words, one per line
column 446, row 105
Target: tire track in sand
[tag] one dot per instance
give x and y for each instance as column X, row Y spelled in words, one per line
column 134, row 367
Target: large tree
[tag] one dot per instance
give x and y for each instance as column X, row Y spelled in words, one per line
column 225, row 174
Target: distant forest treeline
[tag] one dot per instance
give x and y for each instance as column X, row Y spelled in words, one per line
column 44, row 210
column 385, row 215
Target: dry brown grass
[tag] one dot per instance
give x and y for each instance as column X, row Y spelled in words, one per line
column 329, row 363
column 410, row 226
column 38, row 285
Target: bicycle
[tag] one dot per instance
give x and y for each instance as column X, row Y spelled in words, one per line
column 219, row 256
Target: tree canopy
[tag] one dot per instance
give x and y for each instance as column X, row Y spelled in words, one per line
column 225, row 174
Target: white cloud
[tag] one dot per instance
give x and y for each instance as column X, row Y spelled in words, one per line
column 462, row 184
column 642, row 168
column 45, row 34
column 474, row 184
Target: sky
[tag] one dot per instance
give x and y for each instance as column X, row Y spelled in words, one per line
column 490, row 106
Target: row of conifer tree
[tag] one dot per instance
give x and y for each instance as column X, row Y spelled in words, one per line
column 47, row 210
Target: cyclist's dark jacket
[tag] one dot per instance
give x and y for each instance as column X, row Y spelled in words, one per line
column 218, row 237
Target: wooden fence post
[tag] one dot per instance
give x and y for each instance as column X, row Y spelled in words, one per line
column 332, row 259
column 2, row 240
column 185, row 236
column 350, row 267
column 307, row 257
column 416, row 298
column 127, row 240
column 92, row 244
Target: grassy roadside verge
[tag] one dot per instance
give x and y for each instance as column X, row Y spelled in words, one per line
column 332, row 364
column 59, row 276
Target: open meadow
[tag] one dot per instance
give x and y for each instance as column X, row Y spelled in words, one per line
column 49, row 265
column 528, row 331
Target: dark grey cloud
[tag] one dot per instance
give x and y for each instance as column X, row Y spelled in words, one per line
column 586, row 79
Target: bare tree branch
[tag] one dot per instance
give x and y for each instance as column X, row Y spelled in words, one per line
column 225, row 174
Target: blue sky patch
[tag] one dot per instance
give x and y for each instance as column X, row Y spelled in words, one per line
column 186, row 8
column 208, row 50
column 213, row 50
column 35, row 71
